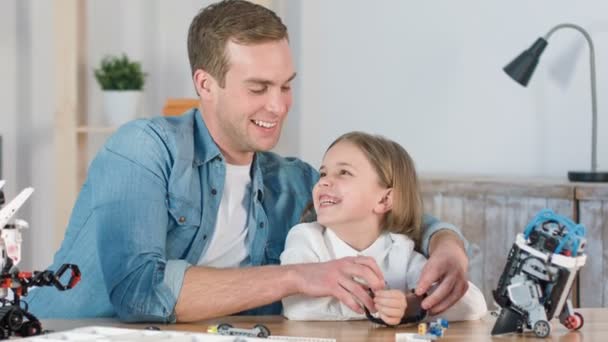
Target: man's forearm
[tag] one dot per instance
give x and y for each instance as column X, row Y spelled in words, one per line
column 444, row 235
column 211, row 292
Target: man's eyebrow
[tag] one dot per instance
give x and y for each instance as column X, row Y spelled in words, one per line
column 267, row 82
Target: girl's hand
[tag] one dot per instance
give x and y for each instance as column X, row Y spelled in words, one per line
column 391, row 305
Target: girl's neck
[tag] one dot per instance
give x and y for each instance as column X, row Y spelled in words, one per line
column 358, row 235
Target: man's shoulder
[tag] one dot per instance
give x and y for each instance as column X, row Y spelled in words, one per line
column 271, row 160
column 160, row 126
column 167, row 133
column 274, row 166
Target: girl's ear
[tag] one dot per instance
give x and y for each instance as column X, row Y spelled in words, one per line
column 386, row 202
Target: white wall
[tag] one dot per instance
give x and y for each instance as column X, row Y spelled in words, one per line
column 427, row 74
column 26, row 119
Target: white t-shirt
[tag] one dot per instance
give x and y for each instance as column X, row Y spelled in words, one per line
column 228, row 245
column 400, row 264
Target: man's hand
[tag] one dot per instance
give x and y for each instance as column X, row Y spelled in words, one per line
column 447, row 266
column 391, row 305
column 336, row 278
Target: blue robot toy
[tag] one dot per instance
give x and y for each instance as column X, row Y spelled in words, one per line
column 538, row 276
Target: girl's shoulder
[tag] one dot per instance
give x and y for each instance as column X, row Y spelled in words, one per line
column 312, row 228
column 305, row 239
column 309, row 231
column 403, row 242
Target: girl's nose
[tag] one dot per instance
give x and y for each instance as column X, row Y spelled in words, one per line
column 325, row 181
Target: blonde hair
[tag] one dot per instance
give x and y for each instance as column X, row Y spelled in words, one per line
column 395, row 169
column 236, row 20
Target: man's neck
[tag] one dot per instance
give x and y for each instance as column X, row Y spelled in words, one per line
column 245, row 158
column 231, row 155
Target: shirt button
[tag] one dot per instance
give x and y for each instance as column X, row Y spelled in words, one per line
column 218, row 159
column 204, row 237
column 213, row 192
column 181, row 219
column 261, row 225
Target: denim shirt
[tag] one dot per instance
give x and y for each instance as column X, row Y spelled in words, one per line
column 147, row 212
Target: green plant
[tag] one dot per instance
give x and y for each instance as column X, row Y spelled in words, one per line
column 119, row 73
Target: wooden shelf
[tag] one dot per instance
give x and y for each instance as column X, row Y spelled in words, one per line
column 95, row 129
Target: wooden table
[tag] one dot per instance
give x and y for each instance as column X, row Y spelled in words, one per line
column 595, row 328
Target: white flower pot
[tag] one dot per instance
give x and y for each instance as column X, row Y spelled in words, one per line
column 121, row 106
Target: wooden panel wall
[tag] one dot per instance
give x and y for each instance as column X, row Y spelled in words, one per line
column 490, row 214
column 593, row 212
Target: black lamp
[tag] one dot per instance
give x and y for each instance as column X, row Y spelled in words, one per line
column 521, row 70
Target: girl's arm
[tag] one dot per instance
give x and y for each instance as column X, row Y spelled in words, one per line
column 471, row 306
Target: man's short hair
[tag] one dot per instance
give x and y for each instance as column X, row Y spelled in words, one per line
column 230, row 20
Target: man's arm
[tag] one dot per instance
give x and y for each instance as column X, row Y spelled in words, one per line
column 305, row 245
column 209, row 292
column 447, row 265
column 129, row 179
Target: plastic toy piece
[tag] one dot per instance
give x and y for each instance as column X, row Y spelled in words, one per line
column 436, row 328
column 537, row 279
column 429, row 331
column 258, row 330
column 14, row 315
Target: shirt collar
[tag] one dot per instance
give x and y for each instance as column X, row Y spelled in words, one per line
column 340, row 249
column 205, row 148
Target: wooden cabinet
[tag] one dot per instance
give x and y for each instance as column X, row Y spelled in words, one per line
column 492, row 211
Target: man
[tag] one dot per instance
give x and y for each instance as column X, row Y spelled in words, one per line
column 185, row 218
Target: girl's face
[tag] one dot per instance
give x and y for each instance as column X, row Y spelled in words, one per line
column 348, row 191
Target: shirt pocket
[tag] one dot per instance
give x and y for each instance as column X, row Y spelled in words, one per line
column 184, row 223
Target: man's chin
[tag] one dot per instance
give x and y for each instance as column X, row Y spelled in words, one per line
column 265, row 146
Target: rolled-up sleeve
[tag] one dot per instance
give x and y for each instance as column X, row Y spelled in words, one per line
column 129, row 178
column 430, row 226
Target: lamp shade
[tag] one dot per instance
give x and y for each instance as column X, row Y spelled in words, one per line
column 522, row 67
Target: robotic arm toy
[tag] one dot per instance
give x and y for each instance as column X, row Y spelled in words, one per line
column 13, row 311
column 536, row 282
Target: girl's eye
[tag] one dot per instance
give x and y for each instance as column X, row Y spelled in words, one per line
column 322, row 174
column 345, row 172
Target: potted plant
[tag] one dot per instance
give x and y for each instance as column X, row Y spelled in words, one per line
column 122, row 82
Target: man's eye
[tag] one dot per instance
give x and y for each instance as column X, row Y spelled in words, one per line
column 259, row 91
column 285, row 88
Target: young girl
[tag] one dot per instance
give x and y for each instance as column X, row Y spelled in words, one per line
column 368, row 203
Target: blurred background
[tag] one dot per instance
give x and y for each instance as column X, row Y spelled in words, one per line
column 427, row 74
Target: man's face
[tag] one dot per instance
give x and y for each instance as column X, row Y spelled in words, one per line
column 252, row 105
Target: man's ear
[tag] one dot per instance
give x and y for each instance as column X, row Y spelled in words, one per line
column 203, row 83
column 386, row 202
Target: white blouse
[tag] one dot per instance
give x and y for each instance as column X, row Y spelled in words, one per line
column 394, row 254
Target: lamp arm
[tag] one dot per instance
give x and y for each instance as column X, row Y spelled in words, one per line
column 593, row 87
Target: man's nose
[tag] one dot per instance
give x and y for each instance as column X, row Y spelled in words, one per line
column 278, row 103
